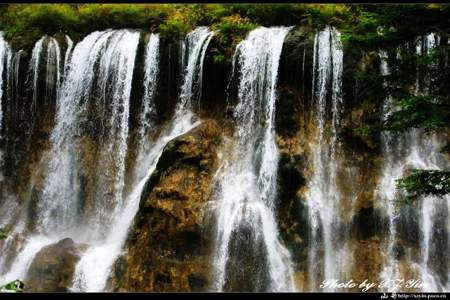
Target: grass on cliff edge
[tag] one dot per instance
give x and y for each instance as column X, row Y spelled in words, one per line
column 23, row 24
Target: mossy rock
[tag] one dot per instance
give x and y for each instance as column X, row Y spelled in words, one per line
column 53, row 267
column 169, row 244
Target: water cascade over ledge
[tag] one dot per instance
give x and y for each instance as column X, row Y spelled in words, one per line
column 247, row 234
column 324, row 196
column 259, row 159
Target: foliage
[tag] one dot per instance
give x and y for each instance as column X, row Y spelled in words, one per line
column 413, row 112
column 4, row 232
column 230, row 31
column 369, row 26
column 329, row 14
column 15, row 286
column 103, row 16
column 425, row 183
column 384, row 26
column 24, row 24
column 418, row 112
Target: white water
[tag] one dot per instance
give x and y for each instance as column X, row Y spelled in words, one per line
column 52, row 77
column 323, row 195
column 412, row 149
column 148, row 108
column 387, row 187
column 150, row 84
column 13, row 75
column 34, row 67
column 57, row 208
column 24, row 258
column 115, row 78
column 68, row 54
column 95, row 265
column 5, row 53
column 196, row 43
column 247, row 189
column 58, row 205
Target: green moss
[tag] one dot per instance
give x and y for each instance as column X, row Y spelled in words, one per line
column 24, row 24
column 4, row 232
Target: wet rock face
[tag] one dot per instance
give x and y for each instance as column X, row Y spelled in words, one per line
column 168, row 246
column 53, row 268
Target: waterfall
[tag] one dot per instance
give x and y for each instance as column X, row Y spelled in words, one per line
column 114, row 79
column 34, row 68
column 58, row 207
column 247, row 184
column 95, row 265
column 13, row 80
column 68, row 54
column 387, row 188
column 5, row 54
column 52, row 77
column 196, row 43
column 323, row 195
column 60, row 195
column 150, row 84
column 402, row 151
column 148, row 108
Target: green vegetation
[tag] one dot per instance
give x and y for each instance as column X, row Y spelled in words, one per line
column 367, row 26
column 384, row 26
column 4, row 232
column 23, row 24
column 425, row 183
column 15, row 286
column 364, row 27
column 413, row 112
column 418, row 112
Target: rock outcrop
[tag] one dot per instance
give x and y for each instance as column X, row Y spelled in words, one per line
column 53, row 267
column 168, row 245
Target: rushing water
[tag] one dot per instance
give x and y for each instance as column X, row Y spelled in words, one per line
column 402, row 151
column 34, row 67
column 4, row 55
column 387, row 189
column 52, row 76
column 94, row 267
column 323, row 195
column 196, row 43
column 91, row 83
column 247, row 184
column 148, row 107
column 58, row 207
column 68, row 54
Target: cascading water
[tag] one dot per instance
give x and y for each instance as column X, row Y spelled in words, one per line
column 34, row 67
column 323, row 195
column 114, row 78
column 387, row 189
column 58, row 207
column 78, row 188
column 52, row 76
column 94, row 267
column 59, row 201
column 247, row 184
column 148, row 108
column 68, row 54
column 196, row 44
column 150, row 80
column 4, row 55
column 414, row 149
